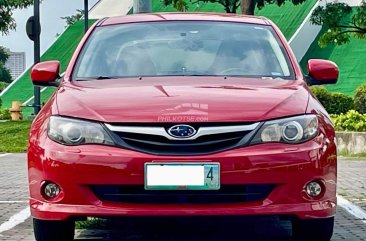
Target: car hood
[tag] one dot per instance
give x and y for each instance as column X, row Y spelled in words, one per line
column 182, row 99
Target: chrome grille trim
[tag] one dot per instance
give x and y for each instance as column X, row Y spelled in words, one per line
column 202, row 131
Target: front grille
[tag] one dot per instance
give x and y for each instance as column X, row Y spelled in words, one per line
column 161, row 145
column 138, row 195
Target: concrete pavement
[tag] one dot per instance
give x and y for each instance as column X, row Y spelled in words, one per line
column 352, row 180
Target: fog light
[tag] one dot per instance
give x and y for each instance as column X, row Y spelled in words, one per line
column 51, row 190
column 313, row 189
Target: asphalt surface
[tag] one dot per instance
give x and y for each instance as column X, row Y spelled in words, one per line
column 14, row 193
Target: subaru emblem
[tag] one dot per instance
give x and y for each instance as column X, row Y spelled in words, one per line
column 182, row 131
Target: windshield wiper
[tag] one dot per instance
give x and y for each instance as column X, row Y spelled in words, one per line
column 102, row 77
column 105, row 77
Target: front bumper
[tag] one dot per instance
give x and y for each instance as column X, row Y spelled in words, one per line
column 288, row 167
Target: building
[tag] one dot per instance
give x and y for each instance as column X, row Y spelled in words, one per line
column 16, row 63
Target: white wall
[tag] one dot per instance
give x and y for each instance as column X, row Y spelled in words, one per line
column 351, row 2
column 305, row 35
column 110, row 8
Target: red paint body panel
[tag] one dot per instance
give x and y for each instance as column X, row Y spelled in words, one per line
column 45, row 72
column 242, row 100
column 131, row 100
column 288, row 167
column 157, row 17
column 323, row 70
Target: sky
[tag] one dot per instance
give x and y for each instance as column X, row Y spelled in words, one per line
column 51, row 13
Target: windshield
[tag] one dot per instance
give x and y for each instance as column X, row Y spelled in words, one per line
column 183, row 48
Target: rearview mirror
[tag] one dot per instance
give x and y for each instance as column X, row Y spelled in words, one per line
column 46, row 73
column 322, row 72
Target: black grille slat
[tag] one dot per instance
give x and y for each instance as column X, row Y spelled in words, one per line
column 137, row 194
column 161, row 145
column 162, row 139
column 180, row 149
column 187, row 144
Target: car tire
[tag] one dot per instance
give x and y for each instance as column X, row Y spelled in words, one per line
column 53, row 230
column 314, row 229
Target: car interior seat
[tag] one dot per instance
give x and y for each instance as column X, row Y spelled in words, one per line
column 134, row 61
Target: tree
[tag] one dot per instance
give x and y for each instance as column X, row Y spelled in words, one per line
column 340, row 23
column 231, row 6
column 247, row 6
column 70, row 20
column 4, row 72
column 7, row 23
column 4, row 55
column 3, row 85
column 7, row 8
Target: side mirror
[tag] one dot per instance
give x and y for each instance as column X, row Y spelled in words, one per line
column 322, row 72
column 46, row 73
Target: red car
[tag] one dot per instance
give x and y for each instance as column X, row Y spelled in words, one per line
column 172, row 114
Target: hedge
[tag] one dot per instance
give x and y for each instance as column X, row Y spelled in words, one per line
column 351, row 121
column 334, row 103
column 360, row 99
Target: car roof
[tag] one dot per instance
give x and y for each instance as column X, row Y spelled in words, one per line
column 158, row 17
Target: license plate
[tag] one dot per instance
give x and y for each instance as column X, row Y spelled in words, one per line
column 182, row 176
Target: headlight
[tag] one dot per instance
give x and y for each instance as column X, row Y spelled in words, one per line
column 290, row 130
column 69, row 131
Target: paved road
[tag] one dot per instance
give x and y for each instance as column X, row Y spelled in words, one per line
column 352, row 178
